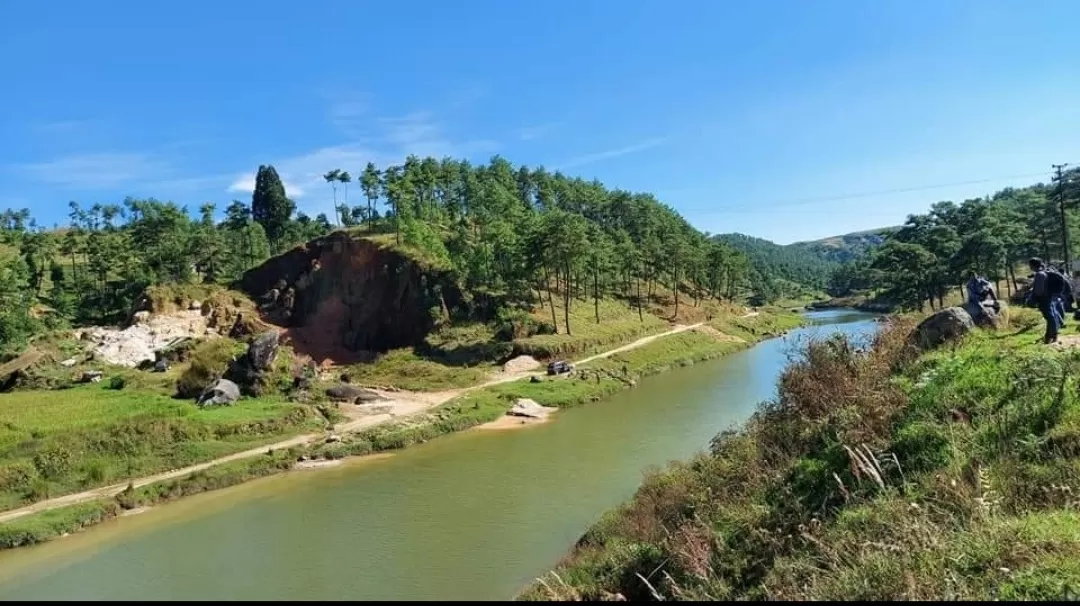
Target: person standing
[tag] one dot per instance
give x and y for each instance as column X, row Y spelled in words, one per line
column 1041, row 297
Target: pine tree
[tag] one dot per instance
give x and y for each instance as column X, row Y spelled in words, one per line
column 270, row 207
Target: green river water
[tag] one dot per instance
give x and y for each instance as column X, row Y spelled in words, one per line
column 475, row 515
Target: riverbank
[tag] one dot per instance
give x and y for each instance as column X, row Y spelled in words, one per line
column 598, row 376
column 884, row 475
column 856, row 302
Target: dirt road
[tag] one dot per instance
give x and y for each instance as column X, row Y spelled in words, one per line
column 402, row 404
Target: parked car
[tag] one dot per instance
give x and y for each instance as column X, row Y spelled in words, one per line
column 559, row 367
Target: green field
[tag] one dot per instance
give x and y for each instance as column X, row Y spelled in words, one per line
column 62, row 441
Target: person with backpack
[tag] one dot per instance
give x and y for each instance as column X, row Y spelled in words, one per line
column 1060, row 293
column 1041, row 296
column 979, row 289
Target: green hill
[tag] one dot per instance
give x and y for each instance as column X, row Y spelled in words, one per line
column 846, row 247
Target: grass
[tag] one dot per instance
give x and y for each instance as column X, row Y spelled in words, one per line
column 881, row 475
column 62, row 441
column 767, row 323
column 619, row 324
column 404, row 369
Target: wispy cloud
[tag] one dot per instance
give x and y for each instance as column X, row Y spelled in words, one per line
column 348, row 111
column 97, row 171
column 612, row 153
column 529, row 133
column 63, row 127
column 382, row 140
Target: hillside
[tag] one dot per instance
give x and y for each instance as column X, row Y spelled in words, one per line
column 884, row 475
column 847, row 247
column 777, row 262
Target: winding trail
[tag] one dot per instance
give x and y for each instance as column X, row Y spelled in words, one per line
column 403, row 404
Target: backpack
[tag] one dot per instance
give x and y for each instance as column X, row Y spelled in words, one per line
column 1056, row 284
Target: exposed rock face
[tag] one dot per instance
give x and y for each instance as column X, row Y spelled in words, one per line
column 223, row 392
column 347, row 292
column 945, row 325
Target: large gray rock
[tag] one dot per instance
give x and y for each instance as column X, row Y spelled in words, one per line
column 263, row 350
column 251, row 371
column 352, row 393
column 224, row 392
column 945, row 325
column 985, row 315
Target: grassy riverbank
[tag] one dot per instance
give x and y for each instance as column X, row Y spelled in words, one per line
column 596, row 380
column 877, row 476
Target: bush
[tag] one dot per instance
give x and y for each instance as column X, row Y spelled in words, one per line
column 513, row 324
column 116, row 383
column 208, row 362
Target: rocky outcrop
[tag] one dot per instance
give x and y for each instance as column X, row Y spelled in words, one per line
column 945, row 325
column 251, row 371
column 350, row 292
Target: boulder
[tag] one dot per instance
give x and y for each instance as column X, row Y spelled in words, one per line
column 352, row 393
column 263, row 350
column 223, row 392
column 945, row 325
column 986, row 315
column 251, row 371
column 91, row 376
column 524, row 407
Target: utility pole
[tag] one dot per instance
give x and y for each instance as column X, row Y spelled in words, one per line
column 1060, row 180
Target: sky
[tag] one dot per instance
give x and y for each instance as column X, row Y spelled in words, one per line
column 788, row 120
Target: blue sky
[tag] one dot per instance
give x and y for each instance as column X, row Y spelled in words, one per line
column 745, row 116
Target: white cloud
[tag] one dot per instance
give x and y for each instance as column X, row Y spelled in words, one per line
column 388, row 141
column 97, row 171
column 246, row 184
column 612, row 153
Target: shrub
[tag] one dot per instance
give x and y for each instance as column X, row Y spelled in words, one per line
column 208, row 362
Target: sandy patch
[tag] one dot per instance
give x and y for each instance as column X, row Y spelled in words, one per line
column 329, row 463
column 521, row 364
column 318, row 464
column 508, row 422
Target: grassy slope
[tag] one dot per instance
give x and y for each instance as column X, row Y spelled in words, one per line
column 462, row 413
column 460, row 356
column 969, row 492
column 68, row 437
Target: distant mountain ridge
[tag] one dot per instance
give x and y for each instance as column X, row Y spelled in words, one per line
column 846, row 247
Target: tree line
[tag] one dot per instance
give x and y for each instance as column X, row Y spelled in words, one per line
column 918, row 262
column 516, row 232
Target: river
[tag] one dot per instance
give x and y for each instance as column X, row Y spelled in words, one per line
column 473, row 516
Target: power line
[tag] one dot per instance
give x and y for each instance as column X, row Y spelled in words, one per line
column 816, row 199
column 1059, row 179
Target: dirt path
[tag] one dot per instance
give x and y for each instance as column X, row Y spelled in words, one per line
column 402, row 404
